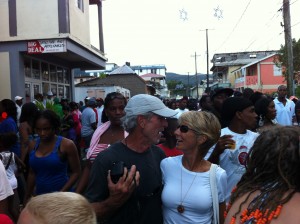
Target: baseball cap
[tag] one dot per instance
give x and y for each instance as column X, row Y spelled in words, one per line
column 18, row 98
column 220, row 90
column 92, row 102
column 143, row 103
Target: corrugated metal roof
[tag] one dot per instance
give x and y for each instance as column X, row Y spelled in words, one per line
column 235, row 62
column 122, row 70
column 256, row 61
column 151, row 75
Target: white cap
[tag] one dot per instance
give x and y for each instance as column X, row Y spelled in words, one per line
column 49, row 93
column 143, row 103
column 18, row 98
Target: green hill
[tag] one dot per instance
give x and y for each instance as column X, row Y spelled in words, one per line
column 185, row 79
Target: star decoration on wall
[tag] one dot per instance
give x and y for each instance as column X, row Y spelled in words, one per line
column 183, row 14
column 218, row 13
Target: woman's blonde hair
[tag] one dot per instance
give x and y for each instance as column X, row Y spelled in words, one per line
column 203, row 123
column 61, row 208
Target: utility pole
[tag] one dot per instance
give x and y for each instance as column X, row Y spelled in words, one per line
column 289, row 46
column 196, row 73
column 207, row 77
column 207, row 60
column 188, row 84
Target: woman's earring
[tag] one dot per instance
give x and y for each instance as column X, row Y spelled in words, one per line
column 261, row 121
column 4, row 115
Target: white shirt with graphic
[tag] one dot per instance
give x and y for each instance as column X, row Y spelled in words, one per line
column 233, row 160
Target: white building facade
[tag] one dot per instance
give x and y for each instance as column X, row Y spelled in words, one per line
column 41, row 42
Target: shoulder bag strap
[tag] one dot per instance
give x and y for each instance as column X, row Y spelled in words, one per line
column 9, row 160
column 214, row 192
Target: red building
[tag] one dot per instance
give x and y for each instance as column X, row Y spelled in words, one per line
column 263, row 75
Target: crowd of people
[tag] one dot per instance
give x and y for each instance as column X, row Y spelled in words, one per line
column 230, row 158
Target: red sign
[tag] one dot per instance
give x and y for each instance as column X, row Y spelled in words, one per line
column 46, row 46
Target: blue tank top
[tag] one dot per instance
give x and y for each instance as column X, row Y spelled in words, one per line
column 50, row 171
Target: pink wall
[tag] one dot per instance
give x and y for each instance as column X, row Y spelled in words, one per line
column 266, row 74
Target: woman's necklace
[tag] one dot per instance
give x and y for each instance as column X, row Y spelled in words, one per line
column 180, row 208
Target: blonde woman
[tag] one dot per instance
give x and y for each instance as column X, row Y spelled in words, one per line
column 187, row 194
column 58, row 208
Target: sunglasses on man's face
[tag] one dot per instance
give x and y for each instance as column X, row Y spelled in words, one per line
column 184, row 128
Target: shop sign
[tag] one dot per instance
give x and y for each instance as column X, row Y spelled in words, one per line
column 46, row 46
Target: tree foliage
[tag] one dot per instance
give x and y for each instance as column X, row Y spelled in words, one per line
column 283, row 57
column 176, row 88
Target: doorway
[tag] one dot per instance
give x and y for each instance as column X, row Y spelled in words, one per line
column 31, row 89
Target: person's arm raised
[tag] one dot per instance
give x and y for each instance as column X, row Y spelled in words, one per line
column 119, row 193
column 221, row 145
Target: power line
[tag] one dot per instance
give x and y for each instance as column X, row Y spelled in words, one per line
column 235, row 25
column 268, row 26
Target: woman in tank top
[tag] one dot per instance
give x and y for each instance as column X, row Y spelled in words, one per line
column 53, row 160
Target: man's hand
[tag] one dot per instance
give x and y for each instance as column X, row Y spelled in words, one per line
column 122, row 190
column 223, row 143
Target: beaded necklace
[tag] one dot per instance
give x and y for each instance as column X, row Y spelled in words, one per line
column 259, row 215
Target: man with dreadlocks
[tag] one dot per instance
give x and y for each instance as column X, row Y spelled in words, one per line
column 270, row 189
column 233, row 146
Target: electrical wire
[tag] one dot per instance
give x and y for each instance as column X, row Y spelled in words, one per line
column 235, row 25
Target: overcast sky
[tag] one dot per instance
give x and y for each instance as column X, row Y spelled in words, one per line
column 169, row 32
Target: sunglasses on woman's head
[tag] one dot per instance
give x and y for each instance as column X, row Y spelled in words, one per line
column 184, row 128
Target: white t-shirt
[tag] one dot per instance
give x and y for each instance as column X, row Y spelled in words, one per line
column 5, row 188
column 12, row 168
column 233, row 160
column 195, row 194
column 18, row 114
column 284, row 113
column 180, row 112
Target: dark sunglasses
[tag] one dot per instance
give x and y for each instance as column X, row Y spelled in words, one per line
column 185, row 129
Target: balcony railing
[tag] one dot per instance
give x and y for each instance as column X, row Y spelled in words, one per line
column 250, row 80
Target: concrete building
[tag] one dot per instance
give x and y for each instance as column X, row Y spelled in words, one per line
column 122, row 77
column 97, row 90
column 42, row 42
column 158, row 83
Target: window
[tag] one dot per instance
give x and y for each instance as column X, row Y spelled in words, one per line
column 45, row 71
column 27, row 67
column 40, row 77
column 54, row 89
column 154, row 71
column 66, row 76
column 79, row 4
column 46, row 88
column 277, row 70
column 60, row 76
column 53, row 75
column 67, row 92
column 36, row 69
column 60, row 91
column 27, row 90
